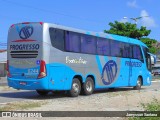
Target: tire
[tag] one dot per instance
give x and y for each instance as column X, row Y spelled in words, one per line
column 138, row 84
column 88, row 86
column 42, row 92
column 75, row 88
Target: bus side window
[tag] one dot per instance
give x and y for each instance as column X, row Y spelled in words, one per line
column 116, row 49
column 73, row 42
column 126, row 50
column 137, row 53
column 57, row 38
column 88, row 44
column 103, row 46
column 131, row 51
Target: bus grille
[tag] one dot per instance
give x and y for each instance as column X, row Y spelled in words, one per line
column 24, row 54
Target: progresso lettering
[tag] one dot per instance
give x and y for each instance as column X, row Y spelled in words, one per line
column 133, row 64
column 24, row 47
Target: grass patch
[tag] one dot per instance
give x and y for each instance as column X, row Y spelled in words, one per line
column 152, row 106
column 23, row 105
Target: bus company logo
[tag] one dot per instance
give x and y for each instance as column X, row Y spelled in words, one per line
column 26, row 32
column 109, row 72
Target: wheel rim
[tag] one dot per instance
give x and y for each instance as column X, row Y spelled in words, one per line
column 75, row 88
column 89, row 86
column 139, row 82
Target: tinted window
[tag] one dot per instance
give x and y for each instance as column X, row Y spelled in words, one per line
column 73, row 42
column 137, row 54
column 88, row 44
column 145, row 50
column 131, row 51
column 116, row 48
column 149, row 62
column 147, row 58
column 103, row 46
column 125, row 50
column 57, row 38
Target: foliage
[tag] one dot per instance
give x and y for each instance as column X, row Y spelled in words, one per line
column 130, row 30
column 153, row 106
column 127, row 29
column 151, row 43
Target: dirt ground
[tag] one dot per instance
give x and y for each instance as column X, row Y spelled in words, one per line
column 125, row 99
column 129, row 100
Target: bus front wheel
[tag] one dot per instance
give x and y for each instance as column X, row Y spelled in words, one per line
column 42, row 92
column 138, row 84
column 75, row 88
column 88, row 86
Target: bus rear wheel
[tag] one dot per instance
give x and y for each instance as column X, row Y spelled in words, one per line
column 88, row 86
column 138, row 85
column 75, row 88
column 42, row 92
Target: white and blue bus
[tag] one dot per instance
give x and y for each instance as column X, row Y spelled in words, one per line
column 48, row 57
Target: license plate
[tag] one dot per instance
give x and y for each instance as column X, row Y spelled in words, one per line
column 22, row 83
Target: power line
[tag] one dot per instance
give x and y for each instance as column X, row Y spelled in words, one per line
column 11, row 17
column 51, row 12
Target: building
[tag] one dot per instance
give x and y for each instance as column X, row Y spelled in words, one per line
column 3, row 61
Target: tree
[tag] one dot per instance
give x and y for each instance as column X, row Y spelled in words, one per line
column 127, row 29
column 151, row 44
column 130, row 30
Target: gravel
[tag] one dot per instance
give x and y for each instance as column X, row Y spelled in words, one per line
column 109, row 101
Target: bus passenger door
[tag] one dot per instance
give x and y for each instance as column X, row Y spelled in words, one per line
column 136, row 65
column 126, row 73
column 130, row 74
column 136, row 69
column 131, row 69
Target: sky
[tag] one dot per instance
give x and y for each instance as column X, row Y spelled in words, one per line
column 90, row 15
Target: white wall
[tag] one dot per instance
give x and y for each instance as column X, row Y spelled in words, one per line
column 3, row 57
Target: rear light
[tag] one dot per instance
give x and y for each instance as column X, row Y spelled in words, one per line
column 42, row 72
column 7, row 68
column 12, row 25
column 41, row 23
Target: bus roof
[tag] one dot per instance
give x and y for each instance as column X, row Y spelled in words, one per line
column 98, row 34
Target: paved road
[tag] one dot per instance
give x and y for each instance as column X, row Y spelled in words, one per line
column 20, row 95
column 3, row 81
